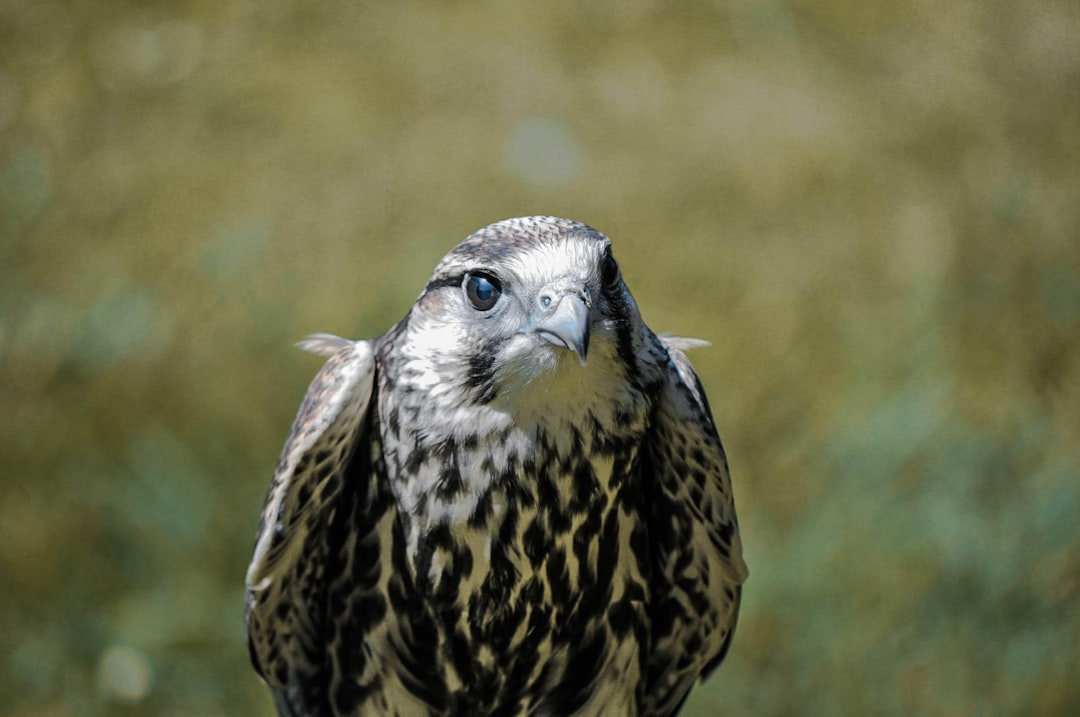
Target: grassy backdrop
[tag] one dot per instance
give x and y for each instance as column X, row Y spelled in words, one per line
column 871, row 209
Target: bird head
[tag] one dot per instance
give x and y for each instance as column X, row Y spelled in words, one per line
column 533, row 306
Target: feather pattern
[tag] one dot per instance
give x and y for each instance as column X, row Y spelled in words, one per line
column 515, row 502
column 292, row 553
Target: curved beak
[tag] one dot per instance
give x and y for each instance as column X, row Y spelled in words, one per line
column 567, row 326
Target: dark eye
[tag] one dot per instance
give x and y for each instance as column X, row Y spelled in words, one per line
column 609, row 271
column 482, row 290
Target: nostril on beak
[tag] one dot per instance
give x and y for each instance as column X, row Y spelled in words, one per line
column 565, row 323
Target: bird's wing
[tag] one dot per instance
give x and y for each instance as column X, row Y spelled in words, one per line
column 697, row 563
column 293, row 551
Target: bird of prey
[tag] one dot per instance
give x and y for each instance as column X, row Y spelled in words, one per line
column 514, row 502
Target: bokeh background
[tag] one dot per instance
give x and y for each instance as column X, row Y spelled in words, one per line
column 872, row 211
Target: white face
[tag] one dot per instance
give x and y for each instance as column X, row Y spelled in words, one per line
column 530, row 329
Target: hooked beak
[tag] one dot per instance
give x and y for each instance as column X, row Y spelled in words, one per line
column 567, row 326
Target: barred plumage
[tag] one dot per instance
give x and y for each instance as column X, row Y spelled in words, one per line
column 514, row 502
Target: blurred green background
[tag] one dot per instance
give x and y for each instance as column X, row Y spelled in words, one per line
column 872, row 210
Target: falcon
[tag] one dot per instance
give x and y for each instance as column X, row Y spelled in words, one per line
column 514, row 502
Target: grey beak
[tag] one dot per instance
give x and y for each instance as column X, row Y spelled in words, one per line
column 567, row 326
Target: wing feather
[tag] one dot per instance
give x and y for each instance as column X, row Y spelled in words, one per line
column 698, row 568
column 287, row 573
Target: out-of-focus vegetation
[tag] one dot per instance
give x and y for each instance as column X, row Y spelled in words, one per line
column 872, row 210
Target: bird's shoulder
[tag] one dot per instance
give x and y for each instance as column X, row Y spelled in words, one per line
column 697, row 562
column 291, row 553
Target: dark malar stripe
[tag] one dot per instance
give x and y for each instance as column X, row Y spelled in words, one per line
column 481, row 376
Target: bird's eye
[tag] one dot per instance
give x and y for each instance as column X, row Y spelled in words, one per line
column 609, row 271
column 482, row 290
